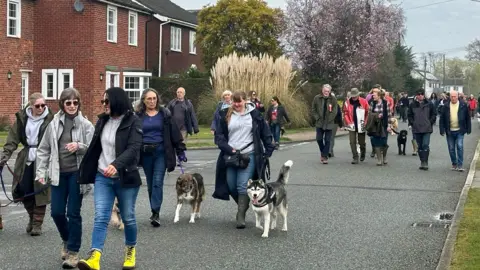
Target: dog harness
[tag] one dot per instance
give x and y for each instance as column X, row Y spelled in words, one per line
column 268, row 198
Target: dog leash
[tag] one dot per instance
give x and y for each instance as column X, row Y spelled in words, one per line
column 21, row 198
column 181, row 167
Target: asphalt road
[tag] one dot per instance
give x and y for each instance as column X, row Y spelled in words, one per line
column 341, row 216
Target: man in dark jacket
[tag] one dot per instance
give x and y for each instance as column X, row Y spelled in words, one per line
column 455, row 122
column 421, row 117
column 324, row 110
column 404, row 103
column 183, row 114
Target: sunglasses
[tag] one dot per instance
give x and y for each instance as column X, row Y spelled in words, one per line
column 39, row 105
column 105, row 101
column 69, row 103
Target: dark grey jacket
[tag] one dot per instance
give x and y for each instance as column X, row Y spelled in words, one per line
column 422, row 116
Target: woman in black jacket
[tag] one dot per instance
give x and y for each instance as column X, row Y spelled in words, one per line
column 111, row 164
column 241, row 128
column 276, row 117
column 161, row 140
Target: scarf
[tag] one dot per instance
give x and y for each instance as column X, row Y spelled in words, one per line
column 32, row 129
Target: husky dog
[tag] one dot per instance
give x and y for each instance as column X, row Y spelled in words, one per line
column 268, row 199
column 116, row 218
column 190, row 188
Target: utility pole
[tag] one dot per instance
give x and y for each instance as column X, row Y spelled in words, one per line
column 444, row 73
column 425, row 71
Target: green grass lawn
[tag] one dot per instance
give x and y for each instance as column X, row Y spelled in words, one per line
column 466, row 254
column 203, row 139
column 205, row 132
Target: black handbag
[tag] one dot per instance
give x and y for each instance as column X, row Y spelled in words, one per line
column 238, row 160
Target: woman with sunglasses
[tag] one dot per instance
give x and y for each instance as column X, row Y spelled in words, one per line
column 58, row 159
column 28, row 129
column 161, row 141
column 111, row 164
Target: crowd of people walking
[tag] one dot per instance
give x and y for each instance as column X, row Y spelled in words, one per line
column 64, row 154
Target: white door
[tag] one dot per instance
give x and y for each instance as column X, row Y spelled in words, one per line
column 24, row 100
column 112, row 79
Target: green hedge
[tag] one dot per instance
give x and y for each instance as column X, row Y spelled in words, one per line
column 194, row 87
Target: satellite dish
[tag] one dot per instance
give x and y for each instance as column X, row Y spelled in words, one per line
column 78, row 6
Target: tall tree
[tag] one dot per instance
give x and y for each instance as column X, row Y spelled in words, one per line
column 394, row 70
column 473, row 50
column 341, row 41
column 241, row 26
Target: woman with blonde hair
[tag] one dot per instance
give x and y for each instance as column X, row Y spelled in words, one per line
column 28, row 130
column 241, row 130
column 224, row 103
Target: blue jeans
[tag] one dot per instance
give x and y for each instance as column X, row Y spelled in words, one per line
column 67, row 196
column 455, row 142
column 154, row 168
column 378, row 141
column 237, row 178
column 275, row 129
column 423, row 141
column 324, row 137
column 106, row 189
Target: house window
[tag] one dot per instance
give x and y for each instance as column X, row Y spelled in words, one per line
column 176, row 39
column 49, row 83
column 132, row 28
column 193, row 48
column 113, row 79
column 13, row 18
column 65, row 79
column 112, row 24
column 134, row 83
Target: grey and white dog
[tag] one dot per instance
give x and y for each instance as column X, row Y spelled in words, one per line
column 270, row 199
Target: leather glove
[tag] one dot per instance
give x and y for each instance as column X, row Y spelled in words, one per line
column 182, row 157
column 85, row 189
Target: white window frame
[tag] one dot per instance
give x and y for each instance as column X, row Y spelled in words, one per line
column 25, row 89
column 46, row 72
column 193, row 48
column 108, row 83
column 114, row 24
column 61, row 72
column 141, row 76
column 18, row 19
column 133, row 38
column 175, row 38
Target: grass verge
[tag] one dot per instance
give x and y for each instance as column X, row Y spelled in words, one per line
column 203, row 139
column 467, row 245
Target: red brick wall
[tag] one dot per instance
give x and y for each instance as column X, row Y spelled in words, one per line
column 120, row 54
column 152, row 45
column 63, row 40
column 172, row 62
column 80, row 43
column 16, row 54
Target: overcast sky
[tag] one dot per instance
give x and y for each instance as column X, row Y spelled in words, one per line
column 445, row 27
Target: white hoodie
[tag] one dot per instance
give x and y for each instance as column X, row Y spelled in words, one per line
column 31, row 130
column 240, row 129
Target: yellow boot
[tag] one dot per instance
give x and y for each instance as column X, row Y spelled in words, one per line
column 92, row 263
column 129, row 258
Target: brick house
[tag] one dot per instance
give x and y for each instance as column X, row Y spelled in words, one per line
column 90, row 45
column 173, row 34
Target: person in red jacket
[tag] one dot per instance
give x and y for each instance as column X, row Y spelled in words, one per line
column 355, row 112
column 472, row 105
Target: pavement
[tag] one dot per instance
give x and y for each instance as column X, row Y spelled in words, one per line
column 341, row 216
